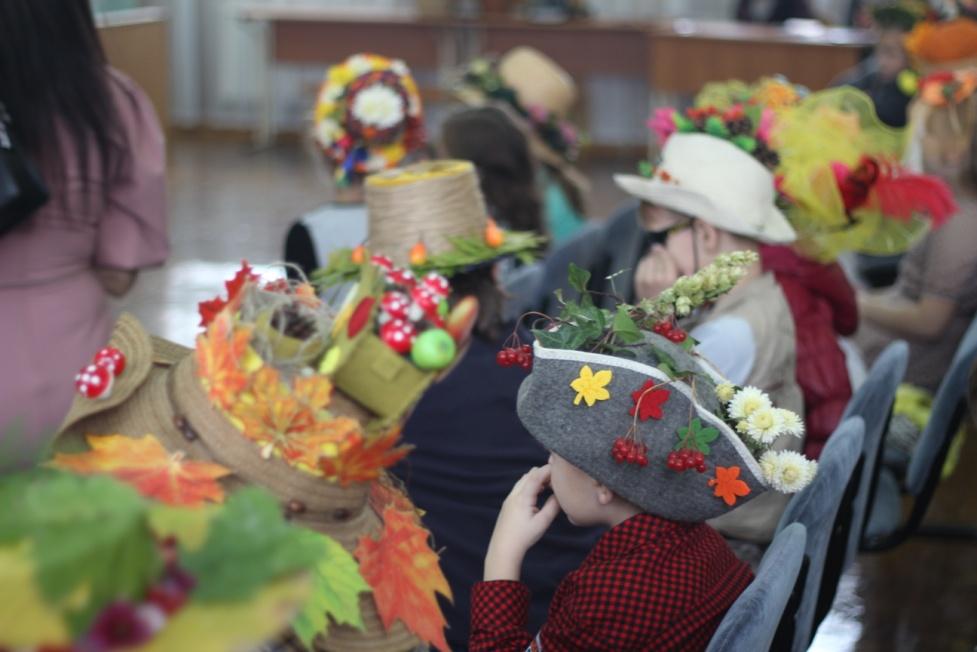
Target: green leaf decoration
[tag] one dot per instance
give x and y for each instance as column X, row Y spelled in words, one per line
column 697, row 435
column 746, row 143
column 646, row 169
column 625, row 330
column 85, row 533
column 716, row 127
column 578, row 278
column 689, row 343
column 683, row 124
column 336, row 589
column 250, row 544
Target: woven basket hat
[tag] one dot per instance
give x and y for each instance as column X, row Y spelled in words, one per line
column 535, row 81
column 159, row 394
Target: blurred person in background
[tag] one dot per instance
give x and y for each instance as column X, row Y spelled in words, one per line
column 100, row 150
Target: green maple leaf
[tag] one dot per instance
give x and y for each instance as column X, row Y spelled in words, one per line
column 85, row 533
column 336, row 587
column 249, row 545
column 624, row 327
column 701, row 436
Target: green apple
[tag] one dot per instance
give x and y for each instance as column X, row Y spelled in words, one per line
column 433, row 349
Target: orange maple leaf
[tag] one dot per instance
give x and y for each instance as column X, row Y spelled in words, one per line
column 728, row 485
column 149, row 468
column 361, row 458
column 219, row 352
column 384, row 493
column 405, row 577
column 289, row 423
column 210, row 309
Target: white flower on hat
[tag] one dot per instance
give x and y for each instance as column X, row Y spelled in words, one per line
column 793, row 424
column 330, row 93
column 764, row 425
column 379, row 106
column 747, row 401
column 359, row 65
column 787, row 471
column 327, row 131
column 399, row 68
column 725, row 392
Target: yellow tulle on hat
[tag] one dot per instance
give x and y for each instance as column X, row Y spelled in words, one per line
column 828, row 129
column 775, row 92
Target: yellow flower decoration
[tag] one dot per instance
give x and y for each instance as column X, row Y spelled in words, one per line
column 590, row 386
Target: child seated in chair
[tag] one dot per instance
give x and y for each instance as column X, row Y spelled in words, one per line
column 647, row 440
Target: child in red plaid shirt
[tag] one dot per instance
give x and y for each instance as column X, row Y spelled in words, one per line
column 651, row 450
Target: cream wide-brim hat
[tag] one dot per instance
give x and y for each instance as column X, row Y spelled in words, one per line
column 717, row 182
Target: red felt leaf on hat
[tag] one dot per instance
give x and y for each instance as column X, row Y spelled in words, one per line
column 361, row 458
column 404, row 574
column 648, row 401
column 728, row 485
column 361, row 314
column 144, row 464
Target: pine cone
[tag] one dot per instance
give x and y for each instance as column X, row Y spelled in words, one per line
column 766, row 156
column 292, row 323
column 740, row 126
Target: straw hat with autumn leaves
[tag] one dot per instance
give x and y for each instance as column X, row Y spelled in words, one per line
column 281, row 393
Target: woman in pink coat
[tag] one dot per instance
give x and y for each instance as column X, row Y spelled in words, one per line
column 98, row 146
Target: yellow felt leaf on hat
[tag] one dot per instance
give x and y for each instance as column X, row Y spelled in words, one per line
column 219, row 353
column 26, row 620
column 144, row 464
column 405, row 576
column 241, row 625
column 189, row 526
column 591, row 387
column 361, row 458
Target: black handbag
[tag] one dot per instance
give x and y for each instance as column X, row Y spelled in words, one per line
column 22, row 190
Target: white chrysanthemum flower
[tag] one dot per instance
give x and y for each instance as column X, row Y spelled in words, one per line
column 379, row 106
column 742, row 427
column 747, row 401
column 359, row 65
column 764, row 425
column 327, row 131
column 330, row 93
column 787, row 471
column 793, row 424
column 725, row 392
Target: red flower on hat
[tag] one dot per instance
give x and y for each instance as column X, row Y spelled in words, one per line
column 648, row 401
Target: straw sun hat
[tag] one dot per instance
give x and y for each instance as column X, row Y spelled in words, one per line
column 537, row 95
column 177, row 395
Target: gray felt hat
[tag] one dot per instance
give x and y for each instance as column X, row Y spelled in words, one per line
column 583, row 426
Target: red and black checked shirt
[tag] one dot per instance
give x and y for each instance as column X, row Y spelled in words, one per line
column 649, row 584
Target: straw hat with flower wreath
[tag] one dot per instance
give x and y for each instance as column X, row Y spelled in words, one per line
column 368, row 115
column 624, row 396
column 537, row 95
column 283, row 394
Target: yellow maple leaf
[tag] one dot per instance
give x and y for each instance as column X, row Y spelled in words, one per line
column 219, row 353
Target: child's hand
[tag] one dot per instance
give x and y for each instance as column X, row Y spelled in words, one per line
column 656, row 272
column 520, row 525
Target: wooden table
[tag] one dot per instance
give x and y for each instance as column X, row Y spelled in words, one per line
column 671, row 56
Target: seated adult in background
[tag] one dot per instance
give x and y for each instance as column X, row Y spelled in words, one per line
column 470, row 446
column 536, row 94
column 368, row 117
column 935, row 296
column 706, row 197
column 886, row 75
column 99, row 148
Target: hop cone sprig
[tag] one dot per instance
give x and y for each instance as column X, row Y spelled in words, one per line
column 708, row 284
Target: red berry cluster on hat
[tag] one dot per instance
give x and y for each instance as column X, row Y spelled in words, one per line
column 668, row 329
column 520, row 355
column 95, row 380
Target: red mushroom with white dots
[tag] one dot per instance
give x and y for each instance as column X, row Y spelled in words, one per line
column 398, row 335
column 401, row 277
column 436, row 284
column 425, row 305
column 111, row 358
column 393, row 305
column 94, row 382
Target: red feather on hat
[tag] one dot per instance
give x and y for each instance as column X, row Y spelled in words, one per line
column 898, row 194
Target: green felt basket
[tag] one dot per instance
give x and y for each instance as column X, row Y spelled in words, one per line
column 379, row 379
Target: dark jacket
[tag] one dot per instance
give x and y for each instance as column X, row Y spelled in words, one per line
column 822, row 303
column 470, row 450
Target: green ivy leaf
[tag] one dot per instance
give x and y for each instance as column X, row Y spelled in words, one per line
column 85, row 532
column 646, row 169
column 689, row 343
column 578, row 278
column 250, row 544
column 716, row 127
column 700, row 436
column 336, row 587
column 624, row 327
column 683, row 124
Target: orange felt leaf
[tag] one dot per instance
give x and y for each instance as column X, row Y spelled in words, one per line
column 219, row 352
column 361, row 459
column 149, row 468
column 287, row 423
column 384, row 493
column 728, row 485
column 405, row 577
column 210, row 309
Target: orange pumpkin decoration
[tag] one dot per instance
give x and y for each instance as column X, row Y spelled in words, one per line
column 417, row 254
column 357, row 255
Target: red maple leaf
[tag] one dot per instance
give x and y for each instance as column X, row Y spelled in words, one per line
column 648, row 401
column 405, row 577
column 209, row 309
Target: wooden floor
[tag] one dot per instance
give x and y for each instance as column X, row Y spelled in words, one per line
column 228, row 202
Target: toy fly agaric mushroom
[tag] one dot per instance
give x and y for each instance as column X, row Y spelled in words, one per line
column 393, row 305
column 112, row 358
column 399, row 335
column 426, row 305
column 94, row 381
